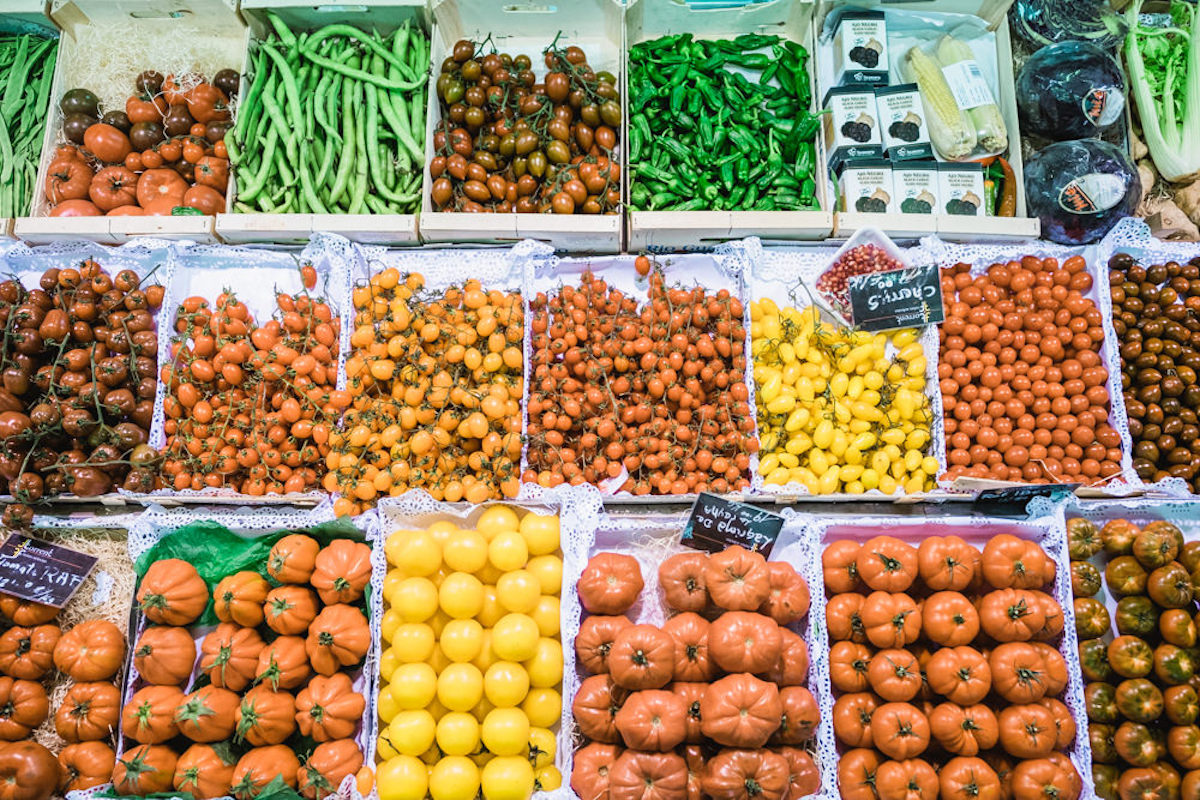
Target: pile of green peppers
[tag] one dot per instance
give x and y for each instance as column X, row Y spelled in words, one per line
column 704, row 136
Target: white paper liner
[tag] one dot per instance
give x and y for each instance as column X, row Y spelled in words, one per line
column 722, row 268
column 781, row 273
column 982, row 256
column 1045, row 524
column 255, row 274
column 578, row 510
column 156, row 522
column 651, row 538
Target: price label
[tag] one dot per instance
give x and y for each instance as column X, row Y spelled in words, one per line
column 1023, row 494
column 717, row 523
column 901, row 298
column 40, row 571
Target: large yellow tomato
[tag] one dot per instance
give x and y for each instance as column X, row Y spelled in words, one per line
column 461, row 640
column 492, row 611
column 497, row 519
column 548, row 570
column 547, row 778
column 413, row 686
column 545, row 669
column 505, row 731
column 542, row 747
column 507, row 551
column 417, row 553
column 518, row 591
column 458, row 733
column 402, row 778
column 514, row 637
column 505, row 684
column 466, row 551
column 540, row 532
column 415, row 598
column 543, row 707
column 442, row 530
column 390, row 622
column 461, row 595
column 506, row 778
column 460, row 686
column 411, row 732
column 412, row 641
column 546, row 615
column 454, row 778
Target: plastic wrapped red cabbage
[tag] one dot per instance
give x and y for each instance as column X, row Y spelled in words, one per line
column 1070, row 90
column 1080, row 189
column 1042, row 22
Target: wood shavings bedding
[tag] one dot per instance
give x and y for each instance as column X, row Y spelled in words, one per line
column 106, row 594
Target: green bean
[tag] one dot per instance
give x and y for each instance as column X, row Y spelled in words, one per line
column 354, row 33
column 347, row 162
column 360, row 166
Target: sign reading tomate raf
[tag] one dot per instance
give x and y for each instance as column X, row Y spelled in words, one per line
column 717, row 523
column 900, row 298
column 32, row 569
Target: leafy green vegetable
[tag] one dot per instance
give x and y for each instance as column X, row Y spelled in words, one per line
column 1164, row 76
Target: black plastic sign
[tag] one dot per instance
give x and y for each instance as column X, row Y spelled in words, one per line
column 40, row 571
column 717, row 523
column 1023, row 494
column 899, row 298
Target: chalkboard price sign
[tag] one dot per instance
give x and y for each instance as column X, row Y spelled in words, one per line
column 40, row 571
column 901, row 298
column 1023, row 494
column 717, row 523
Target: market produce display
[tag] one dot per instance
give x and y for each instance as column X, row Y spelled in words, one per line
column 471, row 677
column 164, row 154
column 946, row 670
column 333, row 121
column 713, row 702
column 1022, row 379
column 26, row 72
column 1160, row 353
column 863, row 426
column 272, row 696
column 435, row 382
column 1137, row 652
column 833, row 284
column 252, row 406
column 79, row 356
column 648, row 395
column 506, row 142
column 721, row 124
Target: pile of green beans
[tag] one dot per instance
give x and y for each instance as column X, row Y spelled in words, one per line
column 704, row 136
column 333, row 122
column 26, row 71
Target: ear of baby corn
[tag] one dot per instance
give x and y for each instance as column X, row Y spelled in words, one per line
column 949, row 127
column 985, row 118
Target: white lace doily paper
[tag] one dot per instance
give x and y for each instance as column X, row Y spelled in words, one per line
column 578, row 510
column 1045, row 524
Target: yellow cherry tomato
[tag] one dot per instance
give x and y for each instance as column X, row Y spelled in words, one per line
column 548, row 569
column 505, row 684
column 461, row 595
column 388, row 663
column 413, row 641
column 497, row 519
column 454, row 778
column 466, row 551
column 505, row 778
column 518, row 591
column 546, row 667
column 546, row 615
column 416, row 553
column 540, row 532
column 413, row 685
column 460, row 686
column 461, row 640
column 543, row 707
column 416, row 599
column 458, row 733
column 392, row 579
column 402, row 778
column 515, row 637
column 505, row 731
column 507, row 551
column 542, row 747
column 411, row 732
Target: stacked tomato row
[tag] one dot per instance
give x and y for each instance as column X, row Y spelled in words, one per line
column 1142, row 700
column 945, row 635
column 688, row 708
column 241, row 727
column 88, row 656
